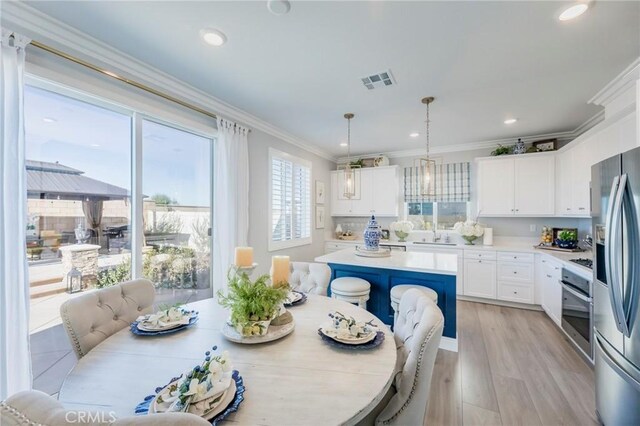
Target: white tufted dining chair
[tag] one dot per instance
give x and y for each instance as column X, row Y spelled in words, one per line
column 37, row 408
column 91, row 318
column 417, row 332
column 310, row 277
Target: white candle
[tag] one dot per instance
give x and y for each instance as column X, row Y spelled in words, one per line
column 280, row 271
column 488, row 237
column 244, row 257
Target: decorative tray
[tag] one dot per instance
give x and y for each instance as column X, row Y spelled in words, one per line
column 298, row 301
column 377, row 341
column 225, row 409
column 556, row 248
column 135, row 330
column 372, row 253
column 275, row 332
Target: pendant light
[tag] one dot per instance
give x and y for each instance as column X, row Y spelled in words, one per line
column 426, row 166
column 349, row 171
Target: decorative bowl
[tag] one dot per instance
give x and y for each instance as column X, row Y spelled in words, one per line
column 402, row 236
column 566, row 244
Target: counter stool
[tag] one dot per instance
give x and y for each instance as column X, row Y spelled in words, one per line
column 398, row 290
column 352, row 290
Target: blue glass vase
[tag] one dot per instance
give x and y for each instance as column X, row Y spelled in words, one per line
column 372, row 234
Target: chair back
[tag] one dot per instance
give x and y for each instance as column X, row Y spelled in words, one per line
column 92, row 317
column 417, row 333
column 310, row 277
column 38, row 408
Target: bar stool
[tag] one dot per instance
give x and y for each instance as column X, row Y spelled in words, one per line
column 352, row 290
column 398, row 290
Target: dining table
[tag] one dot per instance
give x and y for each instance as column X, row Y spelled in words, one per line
column 298, row 379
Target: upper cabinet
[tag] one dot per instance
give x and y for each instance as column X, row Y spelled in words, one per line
column 377, row 191
column 517, row 185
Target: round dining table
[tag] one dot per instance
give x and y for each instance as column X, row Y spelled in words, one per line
column 299, row 379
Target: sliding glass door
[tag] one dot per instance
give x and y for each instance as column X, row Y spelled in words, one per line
column 176, row 187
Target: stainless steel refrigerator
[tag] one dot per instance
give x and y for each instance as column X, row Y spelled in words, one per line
column 615, row 207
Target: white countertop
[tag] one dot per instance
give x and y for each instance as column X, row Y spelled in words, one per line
column 521, row 245
column 433, row 263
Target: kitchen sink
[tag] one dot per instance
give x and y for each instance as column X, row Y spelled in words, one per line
column 425, row 243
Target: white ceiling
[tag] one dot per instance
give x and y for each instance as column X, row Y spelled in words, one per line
column 483, row 61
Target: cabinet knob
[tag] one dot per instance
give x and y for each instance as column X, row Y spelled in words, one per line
column 581, row 208
column 517, row 210
column 515, row 257
column 548, row 276
column 568, row 209
column 515, row 292
column 514, row 272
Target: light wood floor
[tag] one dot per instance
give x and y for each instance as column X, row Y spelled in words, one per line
column 514, row 367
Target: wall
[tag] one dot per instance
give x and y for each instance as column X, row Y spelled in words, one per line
column 502, row 227
column 259, row 144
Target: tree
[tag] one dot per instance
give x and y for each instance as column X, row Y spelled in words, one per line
column 163, row 199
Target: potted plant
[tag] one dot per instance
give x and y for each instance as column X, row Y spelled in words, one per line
column 567, row 239
column 252, row 304
column 402, row 229
column 469, row 230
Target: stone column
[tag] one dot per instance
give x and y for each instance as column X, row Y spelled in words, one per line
column 83, row 257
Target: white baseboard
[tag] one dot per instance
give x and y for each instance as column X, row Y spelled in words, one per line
column 499, row 302
column 449, row 344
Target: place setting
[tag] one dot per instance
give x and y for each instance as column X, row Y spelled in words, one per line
column 212, row 390
column 345, row 332
column 167, row 320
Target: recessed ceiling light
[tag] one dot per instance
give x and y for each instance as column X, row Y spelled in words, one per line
column 343, row 144
column 213, row 37
column 414, row 134
column 278, row 7
column 95, row 145
column 49, row 120
column 573, row 12
column 510, row 120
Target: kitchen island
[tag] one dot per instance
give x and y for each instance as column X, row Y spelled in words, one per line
column 434, row 270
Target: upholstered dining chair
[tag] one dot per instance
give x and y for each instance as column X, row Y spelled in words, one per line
column 91, row 318
column 38, row 408
column 310, row 277
column 417, row 332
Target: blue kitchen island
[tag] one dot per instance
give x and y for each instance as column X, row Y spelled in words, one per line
column 434, row 270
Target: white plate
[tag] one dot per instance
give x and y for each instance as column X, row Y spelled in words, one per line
column 296, row 296
column 227, row 398
column 150, row 327
column 275, row 332
column 330, row 332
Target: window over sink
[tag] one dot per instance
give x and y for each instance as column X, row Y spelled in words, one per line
column 289, row 201
column 437, row 215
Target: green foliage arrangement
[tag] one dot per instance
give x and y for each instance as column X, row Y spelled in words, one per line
column 251, row 301
column 501, row 150
column 113, row 276
column 567, row 235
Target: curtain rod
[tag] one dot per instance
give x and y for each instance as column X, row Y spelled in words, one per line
column 122, row 79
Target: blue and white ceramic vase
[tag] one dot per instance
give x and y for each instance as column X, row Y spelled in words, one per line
column 519, row 148
column 372, row 234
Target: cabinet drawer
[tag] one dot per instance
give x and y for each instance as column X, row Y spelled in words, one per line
column 338, row 246
column 507, row 256
column 515, row 292
column 480, row 254
column 520, row 272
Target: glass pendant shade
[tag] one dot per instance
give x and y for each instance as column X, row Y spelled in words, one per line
column 349, row 170
column 349, row 182
column 426, row 176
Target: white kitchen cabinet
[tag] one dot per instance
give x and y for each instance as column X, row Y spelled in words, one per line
column 517, row 186
column 496, row 187
column 534, row 185
column 550, row 289
column 564, row 197
column 480, row 278
column 377, row 191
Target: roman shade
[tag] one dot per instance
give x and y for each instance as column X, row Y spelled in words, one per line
column 452, row 183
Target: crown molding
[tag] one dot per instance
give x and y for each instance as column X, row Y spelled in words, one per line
column 619, row 84
column 41, row 27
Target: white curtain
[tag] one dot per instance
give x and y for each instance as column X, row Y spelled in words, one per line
column 15, row 359
column 231, row 202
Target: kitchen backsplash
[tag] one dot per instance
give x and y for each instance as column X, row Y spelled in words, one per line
column 502, row 227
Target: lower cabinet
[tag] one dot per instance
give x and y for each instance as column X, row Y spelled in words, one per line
column 480, row 278
column 551, row 289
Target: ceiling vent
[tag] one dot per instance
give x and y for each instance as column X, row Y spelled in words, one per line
column 376, row 81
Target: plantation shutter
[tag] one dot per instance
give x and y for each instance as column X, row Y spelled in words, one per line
column 290, row 199
column 452, row 183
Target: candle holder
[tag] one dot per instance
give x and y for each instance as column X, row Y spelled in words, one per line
column 245, row 269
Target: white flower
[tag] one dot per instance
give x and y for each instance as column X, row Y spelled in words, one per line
column 469, row 229
column 215, row 369
column 401, row 226
column 196, row 388
column 174, row 314
column 225, row 362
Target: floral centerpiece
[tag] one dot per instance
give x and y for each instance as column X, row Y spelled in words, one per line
column 252, row 304
column 345, row 327
column 402, row 229
column 201, row 389
column 469, row 230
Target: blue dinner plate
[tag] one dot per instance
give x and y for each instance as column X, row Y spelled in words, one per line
column 143, row 407
column 299, row 301
column 135, row 330
column 377, row 341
